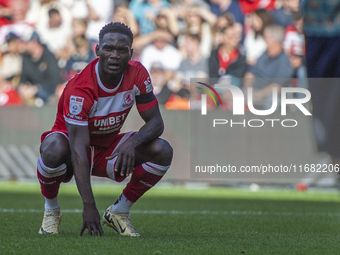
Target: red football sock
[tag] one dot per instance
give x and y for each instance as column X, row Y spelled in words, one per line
column 143, row 178
column 50, row 186
column 50, row 179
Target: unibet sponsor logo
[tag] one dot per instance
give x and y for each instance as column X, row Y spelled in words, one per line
column 109, row 121
column 109, row 124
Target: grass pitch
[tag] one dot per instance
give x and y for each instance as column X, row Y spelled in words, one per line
column 178, row 221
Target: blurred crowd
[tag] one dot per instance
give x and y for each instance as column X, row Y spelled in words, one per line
column 46, row 42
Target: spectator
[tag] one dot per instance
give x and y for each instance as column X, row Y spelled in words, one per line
column 296, row 59
column 161, row 51
column 249, row 6
column 228, row 59
column 38, row 13
column 166, row 24
column 221, row 6
column 254, row 43
column 80, row 58
column 55, row 34
column 223, row 21
column 40, row 73
column 322, row 35
column 272, row 69
column 19, row 26
column 11, row 61
column 159, row 82
column 141, row 41
column 5, row 12
column 98, row 15
column 79, row 27
column 180, row 8
column 8, row 95
column 195, row 65
column 122, row 14
column 294, row 35
column 166, row 19
column 284, row 15
column 199, row 21
column 146, row 12
column 18, row 10
column 180, row 99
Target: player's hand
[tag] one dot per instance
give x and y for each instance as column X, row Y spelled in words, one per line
column 125, row 158
column 91, row 221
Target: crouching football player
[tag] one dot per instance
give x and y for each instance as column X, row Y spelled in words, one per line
column 85, row 138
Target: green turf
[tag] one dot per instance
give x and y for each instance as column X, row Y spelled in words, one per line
column 211, row 221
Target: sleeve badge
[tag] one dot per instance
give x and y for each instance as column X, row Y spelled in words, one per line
column 76, row 104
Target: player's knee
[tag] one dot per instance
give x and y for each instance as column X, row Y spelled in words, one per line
column 161, row 148
column 55, row 154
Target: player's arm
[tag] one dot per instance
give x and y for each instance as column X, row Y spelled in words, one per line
column 152, row 128
column 79, row 144
column 150, row 131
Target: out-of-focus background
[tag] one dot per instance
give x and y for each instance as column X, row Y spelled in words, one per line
column 46, row 42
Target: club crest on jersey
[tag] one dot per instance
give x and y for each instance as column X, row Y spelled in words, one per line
column 76, row 104
column 128, row 99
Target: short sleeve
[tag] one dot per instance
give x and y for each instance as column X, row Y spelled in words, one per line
column 145, row 99
column 143, row 80
column 77, row 106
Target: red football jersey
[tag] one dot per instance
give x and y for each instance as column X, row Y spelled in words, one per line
column 250, row 6
column 86, row 101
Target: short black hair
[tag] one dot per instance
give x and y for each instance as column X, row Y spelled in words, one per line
column 11, row 37
column 115, row 27
column 53, row 10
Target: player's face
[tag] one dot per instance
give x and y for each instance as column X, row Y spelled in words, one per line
column 114, row 53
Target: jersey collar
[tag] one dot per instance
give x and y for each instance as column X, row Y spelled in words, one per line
column 101, row 85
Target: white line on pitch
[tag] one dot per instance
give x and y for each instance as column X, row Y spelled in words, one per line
column 259, row 213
